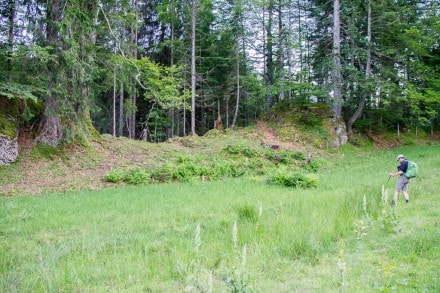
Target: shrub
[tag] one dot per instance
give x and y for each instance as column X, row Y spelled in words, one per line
column 313, row 167
column 287, row 178
column 137, row 176
column 240, row 149
column 115, row 176
column 233, row 149
column 188, row 170
column 163, row 173
column 225, row 169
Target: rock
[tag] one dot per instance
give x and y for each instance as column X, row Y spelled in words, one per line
column 338, row 134
column 8, row 149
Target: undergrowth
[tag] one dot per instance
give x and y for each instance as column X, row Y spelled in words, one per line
column 283, row 167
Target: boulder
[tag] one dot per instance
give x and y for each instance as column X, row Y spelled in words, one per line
column 338, row 134
column 8, row 149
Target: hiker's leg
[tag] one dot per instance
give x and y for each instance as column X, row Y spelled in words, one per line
column 405, row 189
column 396, row 196
column 399, row 186
column 406, row 196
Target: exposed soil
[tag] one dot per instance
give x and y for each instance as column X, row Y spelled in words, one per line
column 270, row 139
column 84, row 168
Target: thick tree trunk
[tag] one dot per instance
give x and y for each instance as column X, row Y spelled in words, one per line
column 50, row 126
column 50, row 130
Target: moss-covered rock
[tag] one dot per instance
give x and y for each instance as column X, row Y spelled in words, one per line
column 9, row 110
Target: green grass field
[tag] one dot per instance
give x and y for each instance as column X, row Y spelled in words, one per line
column 239, row 235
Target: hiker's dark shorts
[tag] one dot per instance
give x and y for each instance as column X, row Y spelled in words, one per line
column 402, row 183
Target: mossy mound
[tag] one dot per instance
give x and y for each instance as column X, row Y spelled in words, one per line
column 9, row 110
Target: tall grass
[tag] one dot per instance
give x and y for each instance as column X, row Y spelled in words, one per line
column 240, row 234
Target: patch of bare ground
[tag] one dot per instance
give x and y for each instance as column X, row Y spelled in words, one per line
column 382, row 142
column 270, row 139
column 80, row 167
column 77, row 167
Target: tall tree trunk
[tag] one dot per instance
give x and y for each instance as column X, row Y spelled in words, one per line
column 365, row 91
column 114, row 104
column 337, row 75
column 269, row 56
column 237, row 104
column 193, row 68
column 50, row 130
column 121, row 110
column 281, row 36
column 11, row 19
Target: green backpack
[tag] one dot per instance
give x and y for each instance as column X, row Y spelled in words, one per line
column 412, row 170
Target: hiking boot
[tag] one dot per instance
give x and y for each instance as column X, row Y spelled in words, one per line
column 393, row 203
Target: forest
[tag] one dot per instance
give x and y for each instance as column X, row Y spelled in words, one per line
column 219, row 145
column 157, row 69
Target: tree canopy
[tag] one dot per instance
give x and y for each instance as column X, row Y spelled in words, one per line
column 124, row 67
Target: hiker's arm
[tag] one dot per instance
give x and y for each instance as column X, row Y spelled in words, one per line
column 398, row 173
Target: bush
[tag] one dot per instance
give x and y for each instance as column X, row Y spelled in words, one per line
column 286, row 178
column 137, row 176
column 312, row 167
column 240, row 149
column 189, row 170
column 164, row 173
column 227, row 169
column 115, row 176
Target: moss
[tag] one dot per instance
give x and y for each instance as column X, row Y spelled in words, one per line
column 44, row 151
column 8, row 117
column 7, row 127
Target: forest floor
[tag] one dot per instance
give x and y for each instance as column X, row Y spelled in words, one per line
column 40, row 170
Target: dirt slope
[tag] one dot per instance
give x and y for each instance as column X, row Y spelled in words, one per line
column 76, row 168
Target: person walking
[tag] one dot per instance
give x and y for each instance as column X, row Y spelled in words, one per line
column 402, row 181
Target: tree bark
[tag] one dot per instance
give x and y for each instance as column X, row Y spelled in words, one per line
column 193, row 68
column 365, row 92
column 237, row 104
column 269, row 75
column 337, row 76
column 50, row 130
column 121, row 109
column 11, row 19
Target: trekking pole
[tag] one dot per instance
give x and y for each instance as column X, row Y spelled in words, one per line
column 388, row 181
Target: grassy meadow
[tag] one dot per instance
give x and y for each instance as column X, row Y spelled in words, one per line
column 236, row 235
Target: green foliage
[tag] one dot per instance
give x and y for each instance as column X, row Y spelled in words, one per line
column 227, row 169
column 114, row 176
column 240, row 149
column 44, row 151
column 8, row 127
column 312, row 167
column 137, row 176
column 163, row 173
column 292, row 178
column 247, row 213
column 12, row 90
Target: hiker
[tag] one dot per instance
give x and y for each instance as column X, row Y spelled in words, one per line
column 402, row 181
